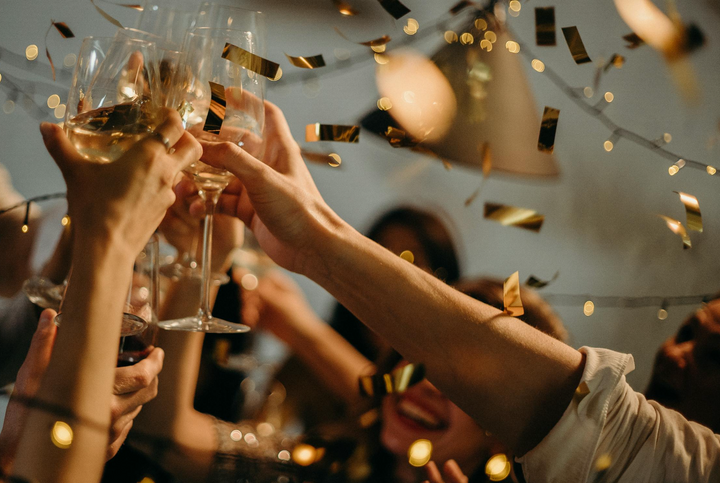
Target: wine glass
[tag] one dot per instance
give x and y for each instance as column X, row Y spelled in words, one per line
column 206, row 76
column 167, row 19
column 115, row 98
column 217, row 16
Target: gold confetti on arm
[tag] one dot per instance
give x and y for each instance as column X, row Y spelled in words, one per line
column 332, row 132
column 678, row 228
column 692, row 211
column 394, row 8
column 250, row 61
column 307, row 62
column 398, row 381
column 513, row 216
column 548, row 126
column 575, row 44
column 511, row 296
column 216, row 114
column 370, row 43
column 536, row 283
column 486, row 167
column 107, row 16
column 545, row 26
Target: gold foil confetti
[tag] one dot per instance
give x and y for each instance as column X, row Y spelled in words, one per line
column 678, row 228
column 420, row 453
column 397, row 382
column 370, row 43
column 65, row 33
column 216, row 114
column 331, row 159
column 692, row 211
column 545, row 26
column 513, row 216
column 251, row 62
column 332, row 132
column 345, row 8
column 107, row 16
column 511, row 296
column 63, row 29
column 399, row 138
column 633, row 41
column 394, row 8
column 486, row 167
column 304, row 454
column 536, row 283
column 312, row 62
column 369, row 418
column 458, row 7
column 575, row 44
column 548, row 126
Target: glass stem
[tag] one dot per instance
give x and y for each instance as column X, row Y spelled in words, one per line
column 210, row 197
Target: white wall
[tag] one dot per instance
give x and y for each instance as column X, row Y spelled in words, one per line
column 600, row 231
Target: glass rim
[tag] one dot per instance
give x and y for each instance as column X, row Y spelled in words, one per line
column 112, row 39
column 231, row 7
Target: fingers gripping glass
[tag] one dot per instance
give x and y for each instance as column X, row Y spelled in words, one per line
column 204, row 76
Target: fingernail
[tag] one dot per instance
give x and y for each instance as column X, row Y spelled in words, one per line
column 46, row 317
column 45, row 129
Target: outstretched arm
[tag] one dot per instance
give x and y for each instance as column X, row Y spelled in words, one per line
column 515, row 381
column 278, row 305
column 114, row 208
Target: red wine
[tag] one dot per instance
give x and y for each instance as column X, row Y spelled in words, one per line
column 133, row 349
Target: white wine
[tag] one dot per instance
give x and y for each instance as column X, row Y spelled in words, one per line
column 103, row 135
column 207, row 177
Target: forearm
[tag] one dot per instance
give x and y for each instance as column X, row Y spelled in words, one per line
column 332, row 358
column 80, row 376
column 514, row 380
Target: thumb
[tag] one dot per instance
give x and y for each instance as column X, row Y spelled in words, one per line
column 225, row 155
column 59, row 146
column 38, row 357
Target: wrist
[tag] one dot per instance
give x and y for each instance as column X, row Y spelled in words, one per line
column 331, row 238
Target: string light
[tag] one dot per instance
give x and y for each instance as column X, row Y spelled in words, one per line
column 31, row 52
column 61, row 435
column 304, row 454
column 467, row 38
column 378, row 48
column 26, row 222
column 65, row 220
column 609, row 97
column 610, row 143
column 53, row 101
column 588, row 92
column 588, row 308
column 450, row 37
column 420, row 452
column 711, row 171
column 335, row 160
column 408, row 256
column 538, row 65
column 498, row 467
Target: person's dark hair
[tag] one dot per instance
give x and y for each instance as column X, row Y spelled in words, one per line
column 441, row 254
column 538, row 313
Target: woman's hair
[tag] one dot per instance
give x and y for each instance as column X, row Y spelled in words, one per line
column 433, row 236
column 439, row 249
column 538, row 313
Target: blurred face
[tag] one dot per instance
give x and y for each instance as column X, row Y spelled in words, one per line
column 398, row 238
column 422, row 412
column 686, row 375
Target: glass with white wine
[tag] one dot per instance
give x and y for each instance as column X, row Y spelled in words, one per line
column 221, row 101
column 115, row 101
column 115, row 98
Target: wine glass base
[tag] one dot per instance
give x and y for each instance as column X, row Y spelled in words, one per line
column 198, row 324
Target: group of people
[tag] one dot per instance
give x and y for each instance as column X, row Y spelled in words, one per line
column 495, row 384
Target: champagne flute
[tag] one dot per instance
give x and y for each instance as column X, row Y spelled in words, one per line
column 244, row 118
column 167, row 19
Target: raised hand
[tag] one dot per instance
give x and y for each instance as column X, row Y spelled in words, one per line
column 129, row 196
column 275, row 197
